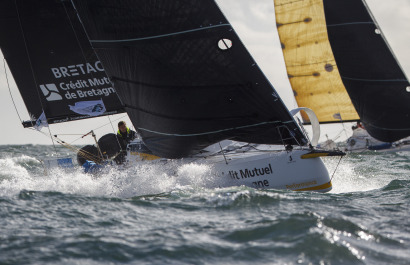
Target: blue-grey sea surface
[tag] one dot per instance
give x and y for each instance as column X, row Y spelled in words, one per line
column 146, row 215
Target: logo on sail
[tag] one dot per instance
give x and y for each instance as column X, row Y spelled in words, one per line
column 51, row 92
column 92, row 107
column 41, row 122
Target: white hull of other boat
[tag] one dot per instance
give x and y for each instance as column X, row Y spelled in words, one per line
column 298, row 170
column 361, row 141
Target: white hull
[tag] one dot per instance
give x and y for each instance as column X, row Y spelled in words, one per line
column 260, row 169
column 361, row 141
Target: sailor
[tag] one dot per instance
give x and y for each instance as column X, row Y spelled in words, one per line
column 357, row 126
column 124, row 135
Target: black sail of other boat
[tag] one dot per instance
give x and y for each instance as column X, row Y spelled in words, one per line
column 184, row 76
column 337, row 58
column 371, row 73
column 52, row 62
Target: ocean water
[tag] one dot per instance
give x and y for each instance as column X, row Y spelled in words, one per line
column 147, row 216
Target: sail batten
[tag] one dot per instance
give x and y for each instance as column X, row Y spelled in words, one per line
column 162, row 35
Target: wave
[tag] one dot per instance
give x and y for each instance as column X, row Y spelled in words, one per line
column 22, row 171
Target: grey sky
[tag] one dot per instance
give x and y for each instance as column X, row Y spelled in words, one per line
column 254, row 21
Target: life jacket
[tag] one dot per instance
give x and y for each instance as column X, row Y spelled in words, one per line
column 127, row 135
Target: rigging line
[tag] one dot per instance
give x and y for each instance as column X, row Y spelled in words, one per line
column 88, row 38
column 28, row 55
column 161, row 35
column 76, row 37
column 339, row 134
column 304, row 130
column 8, row 85
column 336, row 169
column 51, row 136
column 70, row 134
column 213, row 132
column 59, row 141
column 116, row 138
column 226, row 161
column 82, row 153
column 32, row 70
column 344, row 129
column 341, row 122
column 75, row 33
column 99, row 128
column 79, row 44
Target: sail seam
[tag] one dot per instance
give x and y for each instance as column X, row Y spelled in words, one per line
column 218, row 131
column 375, row 80
column 187, row 119
column 114, row 79
column 387, row 129
column 351, row 23
column 162, row 35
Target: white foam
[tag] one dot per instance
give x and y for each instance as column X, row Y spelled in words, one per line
column 358, row 173
column 354, row 174
column 113, row 181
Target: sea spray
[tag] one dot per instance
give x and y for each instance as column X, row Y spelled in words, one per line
column 155, row 214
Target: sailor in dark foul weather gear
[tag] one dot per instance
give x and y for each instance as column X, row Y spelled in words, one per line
column 124, row 135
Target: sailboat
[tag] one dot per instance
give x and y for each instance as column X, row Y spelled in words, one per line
column 340, row 65
column 181, row 73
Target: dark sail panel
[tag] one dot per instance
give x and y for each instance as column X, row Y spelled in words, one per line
column 186, row 79
column 371, row 74
column 52, row 60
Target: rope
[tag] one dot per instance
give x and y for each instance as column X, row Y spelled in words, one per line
column 8, row 85
column 336, row 169
column 75, row 149
column 116, row 138
column 85, row 154
column 32, row 70
column 99, row 128
column 28, row 55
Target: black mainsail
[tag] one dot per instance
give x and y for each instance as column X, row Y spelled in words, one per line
column 185, row 77
column 376, row 83
column 52, row 61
